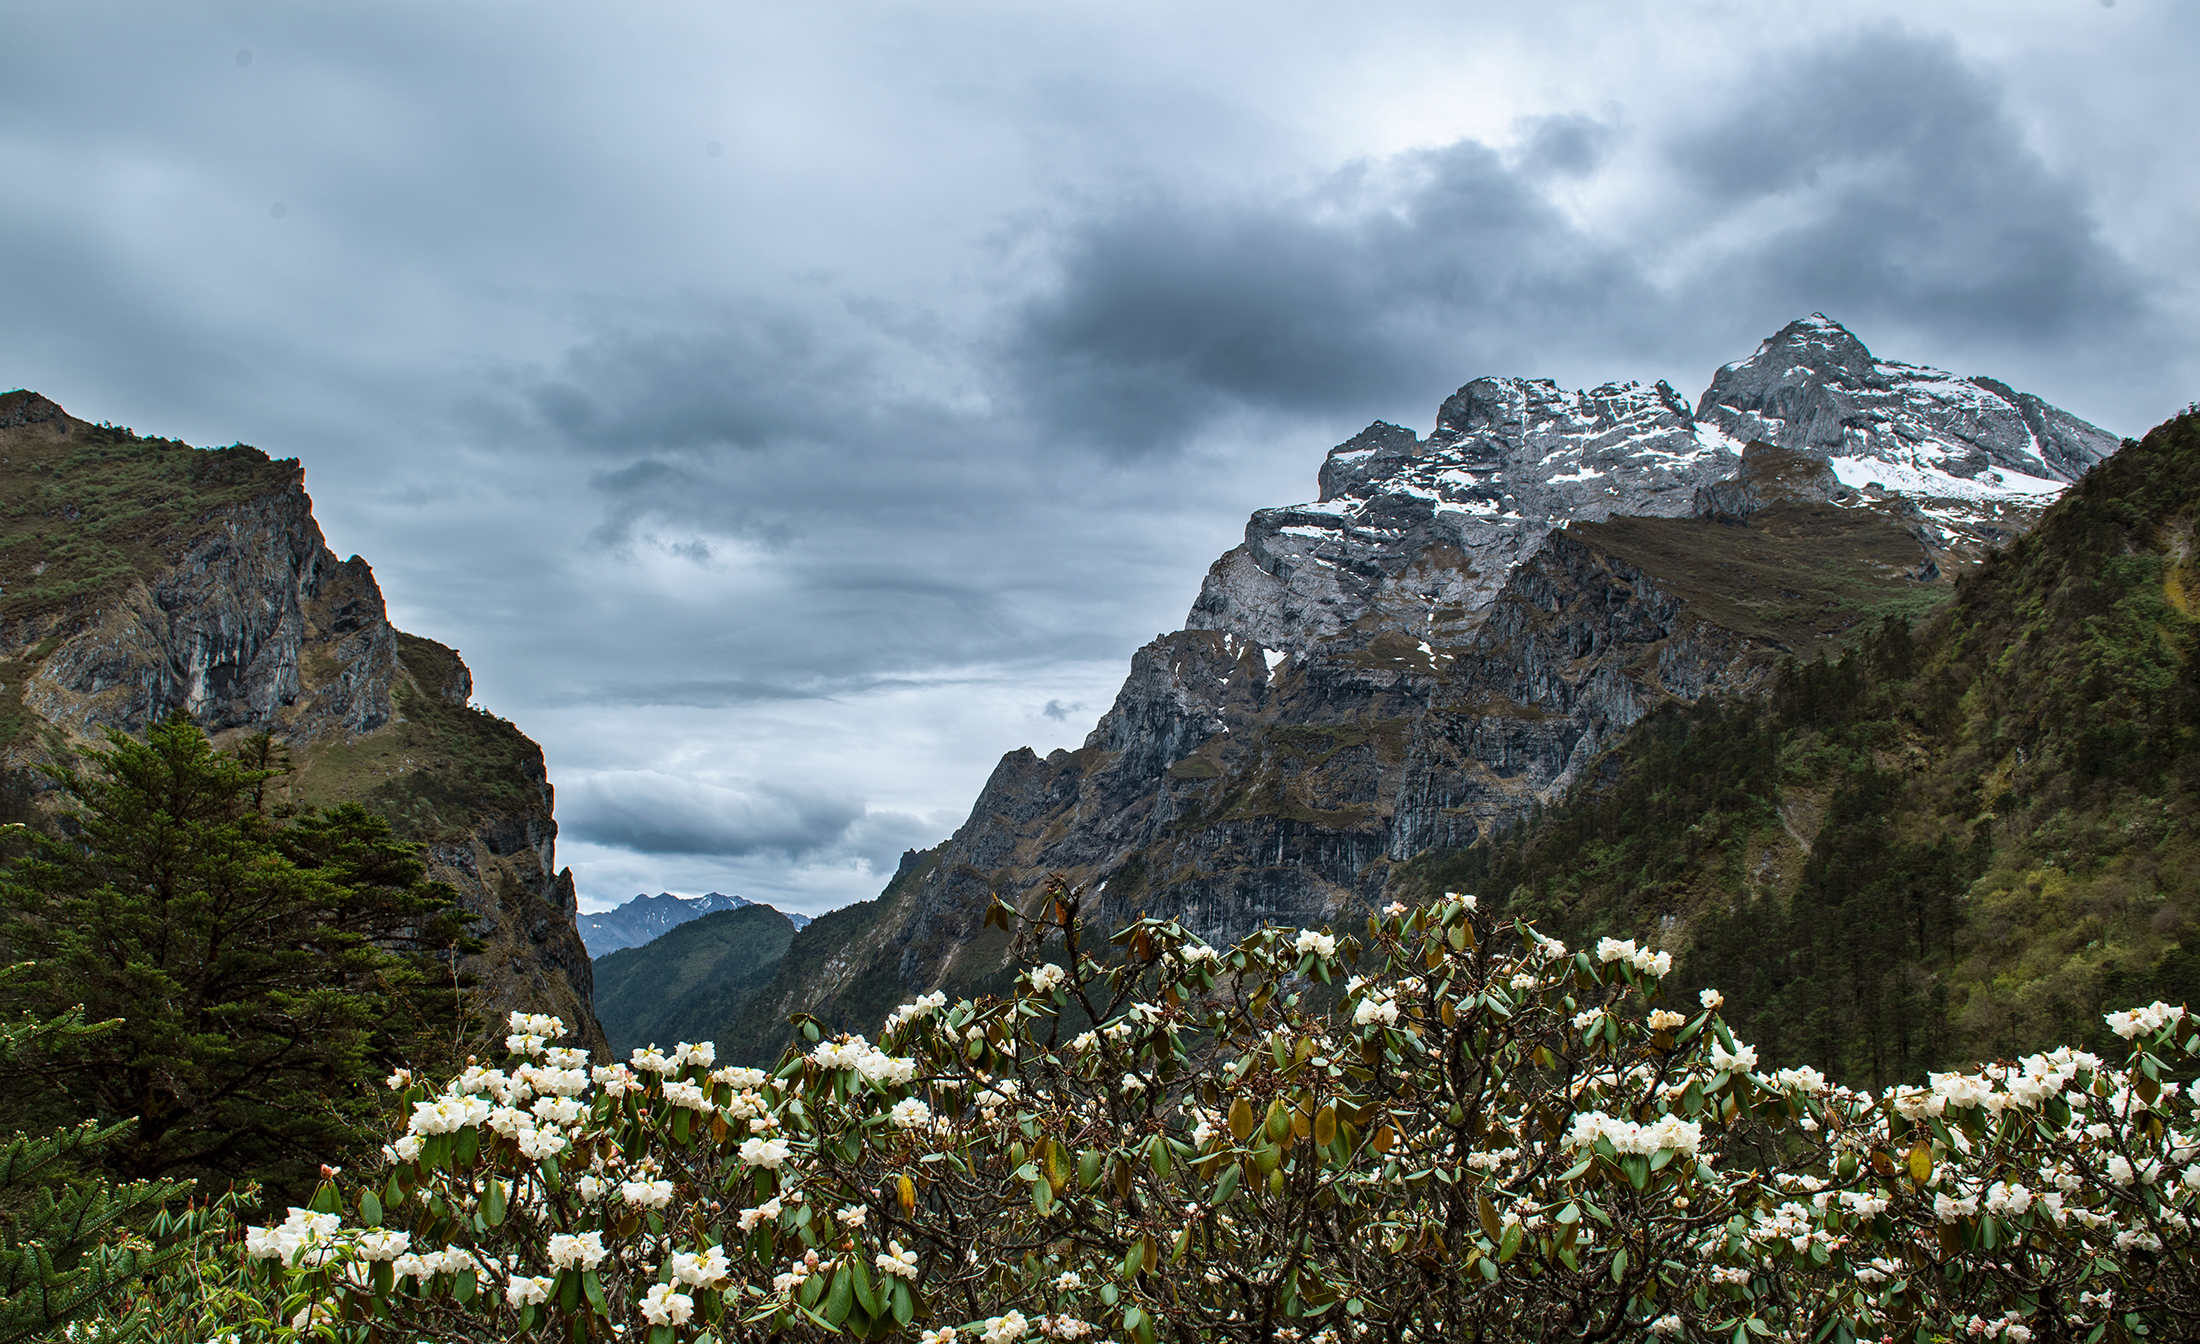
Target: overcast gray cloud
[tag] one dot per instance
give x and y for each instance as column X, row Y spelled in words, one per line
column 1907, row 196
column 778, row 490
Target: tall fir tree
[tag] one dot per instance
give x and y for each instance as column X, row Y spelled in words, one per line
column 266, row 971
column 71, row 1241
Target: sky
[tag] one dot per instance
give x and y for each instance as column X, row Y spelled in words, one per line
column 788, row 409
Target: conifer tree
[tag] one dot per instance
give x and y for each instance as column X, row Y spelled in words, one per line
column 70, row 1241
column 267, row 972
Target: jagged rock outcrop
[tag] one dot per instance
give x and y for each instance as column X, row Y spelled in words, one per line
column 141, row 576
column 1974, row 458
column 225, row 632
column 1452, row 634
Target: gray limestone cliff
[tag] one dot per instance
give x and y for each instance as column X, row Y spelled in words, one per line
column 141, row 576
column 1453, row 633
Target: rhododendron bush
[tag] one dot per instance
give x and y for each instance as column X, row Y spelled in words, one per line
column 1452, row 1129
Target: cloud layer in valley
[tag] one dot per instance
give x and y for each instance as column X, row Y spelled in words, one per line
column 788, row 410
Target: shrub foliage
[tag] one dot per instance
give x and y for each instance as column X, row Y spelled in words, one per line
column 1451, row 1128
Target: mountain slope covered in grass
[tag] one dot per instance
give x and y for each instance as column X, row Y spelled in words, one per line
column 1965, row 838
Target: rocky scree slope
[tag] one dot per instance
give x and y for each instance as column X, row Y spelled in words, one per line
column 1453, row 632
column 139, row 576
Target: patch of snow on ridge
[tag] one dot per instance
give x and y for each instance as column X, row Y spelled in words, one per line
column 1919, row 480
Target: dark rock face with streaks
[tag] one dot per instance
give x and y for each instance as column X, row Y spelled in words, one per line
column 1452, row 633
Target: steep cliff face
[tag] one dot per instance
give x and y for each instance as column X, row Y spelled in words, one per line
column 1452, row 634
column 141, row 576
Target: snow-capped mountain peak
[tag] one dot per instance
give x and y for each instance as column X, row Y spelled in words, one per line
column 1416, row 535
column 645, row 917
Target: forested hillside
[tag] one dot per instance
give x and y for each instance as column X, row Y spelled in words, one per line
column 1965, row 838
column 691, row 982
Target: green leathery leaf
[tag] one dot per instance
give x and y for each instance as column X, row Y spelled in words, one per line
column 1492, row 1226
column 1225, row 1186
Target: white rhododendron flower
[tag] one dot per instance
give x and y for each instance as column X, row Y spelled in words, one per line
column 2137, row 1021
column 582, row 1251
column 1711, row 998
column 303, row 1230
column 1048, row 978
column 1004, row 1329
column 898, row 1262
column 646, row 1194
column 1320, row 944
column 1376, row 1010
column 662, row 1305
column 1741, row 1059
column 689, row 1096
column 910, row 1113
column 766, row 1212
column 528, row 1291
column 381, row 1244
column 764, row 1152
column 704, row 1268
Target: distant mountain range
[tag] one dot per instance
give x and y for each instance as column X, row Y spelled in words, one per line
column 645, row 917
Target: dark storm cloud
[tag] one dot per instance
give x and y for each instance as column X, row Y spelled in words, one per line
column 658, row 814
column 1381, row 282
column 1914, row 198
column 1899, row 190
column 753, row 377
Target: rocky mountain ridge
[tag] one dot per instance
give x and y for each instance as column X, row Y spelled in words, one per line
column 1453, row 632
column 646, row 917
column 139, row 576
